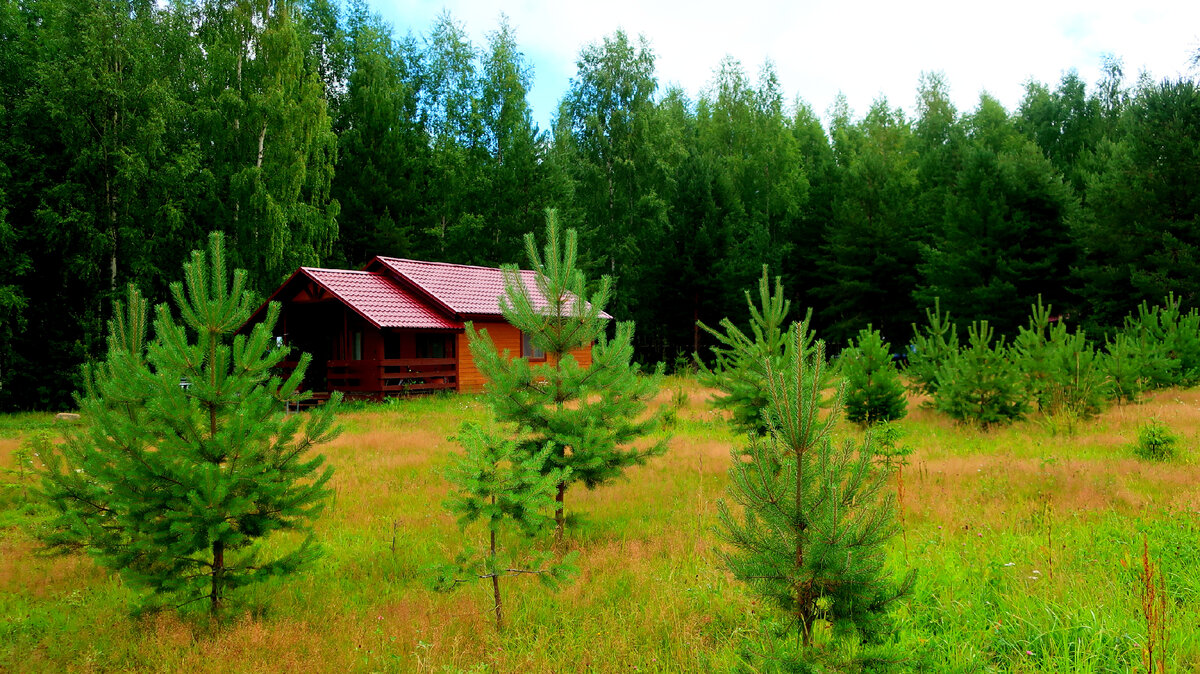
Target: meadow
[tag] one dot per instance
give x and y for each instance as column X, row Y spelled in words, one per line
column 1028, row 541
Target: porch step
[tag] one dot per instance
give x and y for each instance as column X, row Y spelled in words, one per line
column 315, row 400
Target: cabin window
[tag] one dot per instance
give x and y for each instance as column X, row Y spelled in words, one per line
column 434, row 346
column 357, row 345
column 528, row 350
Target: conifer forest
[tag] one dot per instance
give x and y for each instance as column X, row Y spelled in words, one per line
column 310, row 133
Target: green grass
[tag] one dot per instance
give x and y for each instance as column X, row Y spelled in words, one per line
column 18, row 424
column 1027, row 541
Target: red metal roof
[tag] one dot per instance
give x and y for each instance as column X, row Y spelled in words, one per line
column 379, row 299
column 464, row 289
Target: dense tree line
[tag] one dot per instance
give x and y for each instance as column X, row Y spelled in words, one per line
column 310, row 133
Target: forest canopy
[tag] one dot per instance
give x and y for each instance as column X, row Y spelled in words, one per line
column 311, row 134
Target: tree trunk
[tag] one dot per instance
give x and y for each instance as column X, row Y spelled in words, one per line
column 112, row 236
column 559, row 518
column 496, row 584
column 218, row 574
column 262, row 137
column 803, row 606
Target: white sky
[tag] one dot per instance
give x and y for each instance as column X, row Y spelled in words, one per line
column 864, row 49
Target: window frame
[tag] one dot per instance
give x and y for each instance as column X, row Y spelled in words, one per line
column 528, row 351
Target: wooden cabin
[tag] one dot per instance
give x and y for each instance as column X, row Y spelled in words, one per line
column 395, row 326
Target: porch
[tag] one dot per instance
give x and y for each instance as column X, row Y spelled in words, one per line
column 379, row 378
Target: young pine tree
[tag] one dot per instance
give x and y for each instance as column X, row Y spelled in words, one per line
column 502, row 484
column 874, row 391
column 592, row 415
column 816, row 516
column 933, row 346
column 1124, row 364
column 1169, row 340
column 740, row 368
column 1062, row 372
column 186, row 458
column 981, row 384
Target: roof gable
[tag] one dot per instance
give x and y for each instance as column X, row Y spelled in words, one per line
column 378, row 298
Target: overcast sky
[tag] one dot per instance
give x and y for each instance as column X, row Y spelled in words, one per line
column 863, row 49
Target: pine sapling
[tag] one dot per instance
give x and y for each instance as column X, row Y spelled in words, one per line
column 591, row 416
column 24, row 471
column 501, row 484
column 815, row 517
column 874, row 391
column 932, row 347
column 738, row 370
column 1062, row 372
column 176, row 486
column 981, row 384
column 892, row 457
column 1124, row 365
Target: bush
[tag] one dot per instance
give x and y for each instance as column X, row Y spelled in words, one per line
column 1156, row 442
column 873, row 389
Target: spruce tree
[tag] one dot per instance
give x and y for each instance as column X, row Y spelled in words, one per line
column 812, row 539
column 592, row 415
column 740, row 368
column 501, row 483
column 186, row 458
column 874, row 391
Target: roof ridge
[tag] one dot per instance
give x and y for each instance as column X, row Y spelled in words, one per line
column 453, row 264
column 346, row 271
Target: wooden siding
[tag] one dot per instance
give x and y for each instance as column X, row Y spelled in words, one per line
column 504, row 336
column 583, row 356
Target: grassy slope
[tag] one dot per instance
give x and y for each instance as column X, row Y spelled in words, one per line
column 1028, row 545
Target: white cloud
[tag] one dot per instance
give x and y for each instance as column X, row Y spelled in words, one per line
column 863, row 49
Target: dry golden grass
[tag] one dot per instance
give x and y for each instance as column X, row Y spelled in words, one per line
column 650, row 592
column 7, row 447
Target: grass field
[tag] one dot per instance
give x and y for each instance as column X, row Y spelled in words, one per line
column 1028, row 542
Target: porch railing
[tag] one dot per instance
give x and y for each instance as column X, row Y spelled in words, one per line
column 392, row 375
